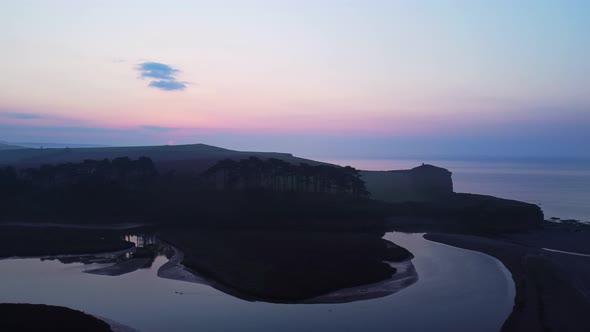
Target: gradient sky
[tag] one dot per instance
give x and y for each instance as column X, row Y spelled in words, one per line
column 371, row 79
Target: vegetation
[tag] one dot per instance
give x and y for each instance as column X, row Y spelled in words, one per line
column 286, row 266
column 279, row 175
column 121, row 170
column 46, row 241
column 466, row 213
column 39, row 317
column 255, row 193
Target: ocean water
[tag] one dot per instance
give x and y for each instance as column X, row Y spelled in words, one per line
column 560, row 187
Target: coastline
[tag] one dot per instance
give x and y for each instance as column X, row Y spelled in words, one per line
column 103, row 254
column 174, row 270
column 116, row 326
column 546, row 298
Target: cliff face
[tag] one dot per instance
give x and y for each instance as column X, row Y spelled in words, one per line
column 419, row 184
column 425, row 194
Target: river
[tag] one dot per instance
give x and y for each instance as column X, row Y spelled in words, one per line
column 459, row 289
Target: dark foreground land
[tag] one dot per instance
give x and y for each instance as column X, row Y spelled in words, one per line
column 286, row 267
column 552, row 289
column 38, row 317
column 47, row 241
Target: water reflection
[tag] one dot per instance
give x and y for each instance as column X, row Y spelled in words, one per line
column 142, row 256
column 141, row 240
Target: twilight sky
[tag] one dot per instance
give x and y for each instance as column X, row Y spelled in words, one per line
column 371, row 79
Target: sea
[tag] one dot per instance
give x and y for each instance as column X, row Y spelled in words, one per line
column 560, row 187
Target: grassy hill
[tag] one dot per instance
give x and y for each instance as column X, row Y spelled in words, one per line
column 193, row 157
column 4, row 146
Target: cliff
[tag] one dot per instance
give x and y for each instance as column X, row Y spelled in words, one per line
column 419, row 184
column 422, row 198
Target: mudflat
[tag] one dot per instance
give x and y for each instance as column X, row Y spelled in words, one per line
column 552, row 289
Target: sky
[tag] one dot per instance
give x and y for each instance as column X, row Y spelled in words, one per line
column 333, row 79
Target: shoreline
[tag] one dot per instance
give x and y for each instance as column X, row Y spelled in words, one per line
column 567, row 252
column 102, row 254
column 115, row 326
column 405, row 276
column 546, row 298
column 120, row 268
column 174, row 270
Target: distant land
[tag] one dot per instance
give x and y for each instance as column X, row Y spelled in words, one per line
column 53, row 145
column 6, row 146
column 193, row 157
column 385, row 155
column 423, row 193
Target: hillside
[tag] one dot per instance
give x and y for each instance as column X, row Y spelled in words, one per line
column 4, row 146
column 193, row 157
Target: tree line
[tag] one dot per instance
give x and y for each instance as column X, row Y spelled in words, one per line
column 249, row 193
column 252, row 173
column 279, row 175
column 121, row 170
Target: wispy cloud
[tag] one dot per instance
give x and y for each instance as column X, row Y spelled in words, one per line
column 16, row 115
column 164, row 74
column 159, row 128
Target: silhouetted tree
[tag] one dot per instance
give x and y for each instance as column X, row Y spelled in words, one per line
column 279, row 175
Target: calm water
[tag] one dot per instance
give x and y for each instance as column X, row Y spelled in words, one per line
column 561, row 188
column 457, row 289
